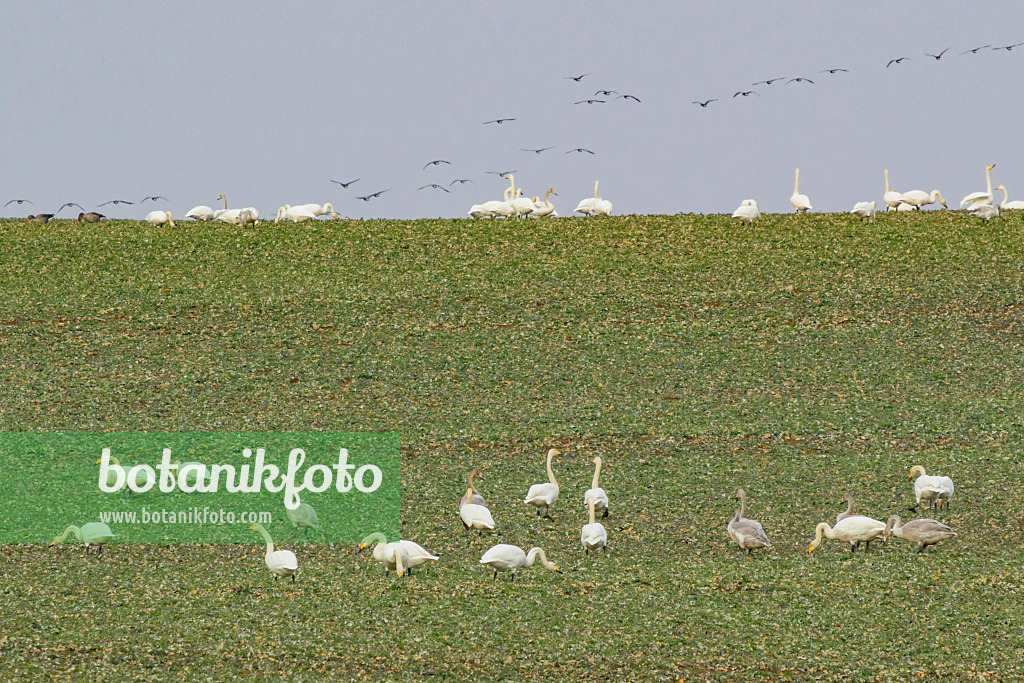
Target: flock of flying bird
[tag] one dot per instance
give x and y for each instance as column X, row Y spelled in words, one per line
column 404, row 555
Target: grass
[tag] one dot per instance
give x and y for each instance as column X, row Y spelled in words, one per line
column 799, row 358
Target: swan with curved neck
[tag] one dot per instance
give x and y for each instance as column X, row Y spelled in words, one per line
column 919, row 198
column 924, row 532
column 93, row 533
column 1015, row 205
column 853, row 530
column 595, row 494
column 977, row 199
column 931, row 489
column 475, row 516
column 799, row 201
column 545, row 208
column 415, row 554
column 303, row 516
column 472, row 495
column 849, row 508
column 545, row 495
column 503, row 208
column 279, row 562
column 318, row 210
column 891, row 197
column 504, row 557
column 748, row 534
column 588, row 205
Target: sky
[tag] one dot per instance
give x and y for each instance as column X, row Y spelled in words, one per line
column 267, row 102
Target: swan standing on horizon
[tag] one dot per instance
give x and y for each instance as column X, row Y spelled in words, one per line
column 919, row 198
column 978, row 199
column 545, row 208
column 588, row 206
column 748, row 211
column 864, row 210
column 1011, row 206
column 799, row 201
column 295, row 214
column 200, row 213
column 319, row 210
column 160, row 218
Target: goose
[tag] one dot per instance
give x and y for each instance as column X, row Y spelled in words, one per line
column 976, row 199
column 864, row 210
column 160, row 218
column 853, row 530
column 799, row 201
column 91, row 534
column 318, row 210
column 594, row 535
column 93, row 217
column 1011, row 206
column 924, row 532
column 933, row 489
column 986, row 212
column 200, row 213
column 383, row 552
column 748, row 211
column 295, row 214
column 303, row 516
column 545, row 208
column 281, row 563
column 475, row 516
column 248, row 216
column 544, row 495
column 41, row 218
column 473, row 497
column 849, row 508
column 595, row 494
column 748, row 534
column 504, row 557
column 588, row 206
column 891, row 197
column 919, row 198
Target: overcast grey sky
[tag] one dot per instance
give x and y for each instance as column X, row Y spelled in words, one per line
column 266, row 102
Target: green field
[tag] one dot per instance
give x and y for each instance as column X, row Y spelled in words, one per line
column 799, row 358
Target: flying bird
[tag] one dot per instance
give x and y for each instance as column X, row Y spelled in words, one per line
column 898, row 61
column 974, row 51
column 590, row 102
column 154, row 198
column 498, row 121
column 769, row 81
column 938, row 56
column 501, row 174
column 537, row 151
column 345, row 185
column 1008, row 47
column 800, row 80
column 832, row 71
column 705, row 103
column 461, row 181
column 435, row 162
column 606, row 93
column 579, row 149
column 19, row 201
column 69, row 204
column 746, row 93
column 371, row 196
column 628, row 97
column 434, row 185
column 576, row 78
column 115, row 201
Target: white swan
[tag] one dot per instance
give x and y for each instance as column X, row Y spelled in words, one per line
column 384, row 552
column 505, row 208
column 848, row 512
column 986, row 212
column 976, row 199
column 905, row 207
column 545, row 208
column 475, row 516
column 320, row 210
column 160, row 218
column 522, row 205
column 200, row 213
column 931, row 489
column 140, row 476
column 93, row 533
column 595, row 494
column 544, row 495
column 295, row 214
column 587, row 206
column 280, row 562
column 919, row 198
column 593, row 536
column 799, row 201
column 853, row 530
column 473, row 497
column 891, row 197
column 303, row 517
column 748, row 211
column 924, row 532
column 1016, row 205
column 864, row 210
column 504, row 557
column 217, row 214
column 248, row 216
column 748, row 534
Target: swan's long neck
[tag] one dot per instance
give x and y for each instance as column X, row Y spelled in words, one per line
column 936, row 195
column 512, row 183
column 988, row 179
column 887, row 181
column 548, row 194
column 330, row 209
column 551, row 473
column 72, row 529
column 593, row 518
column 1002, row 204
column 849, row 506
column 596, row 195
column 796, row 186
column 224, row 197
column 469, row 494
column 743, row 503
column 597, row 473
column 170, row 219
column 266, row 537
column 279, row 212
column 534, row 553
column 508, row 191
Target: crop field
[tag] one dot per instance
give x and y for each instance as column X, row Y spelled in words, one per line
column 799, row 358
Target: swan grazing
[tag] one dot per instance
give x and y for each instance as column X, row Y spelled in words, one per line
column 848, row 499
column 891, row 197
column 295, row 214
column 748, row 211
column 853, row 530
column 279, row 562
column 799, row 201
column 318, row 210
column 510, row 558
column 248, row 216
column 593, row 536
column 1016, row 205
column 595, row 493
column 931, row 489
column 200, row 213
column 160, row 218
column 977, row 199
column 919, row 198
column 588, row 206
column 93, row 533
column 864, row 210
column 473, row 496
column 387, row 554
column 475, row 516
column 545, row 208
column 924, row 532
column 748, row 534
column 544, row 495
column 986, row 212
column 302, row 517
